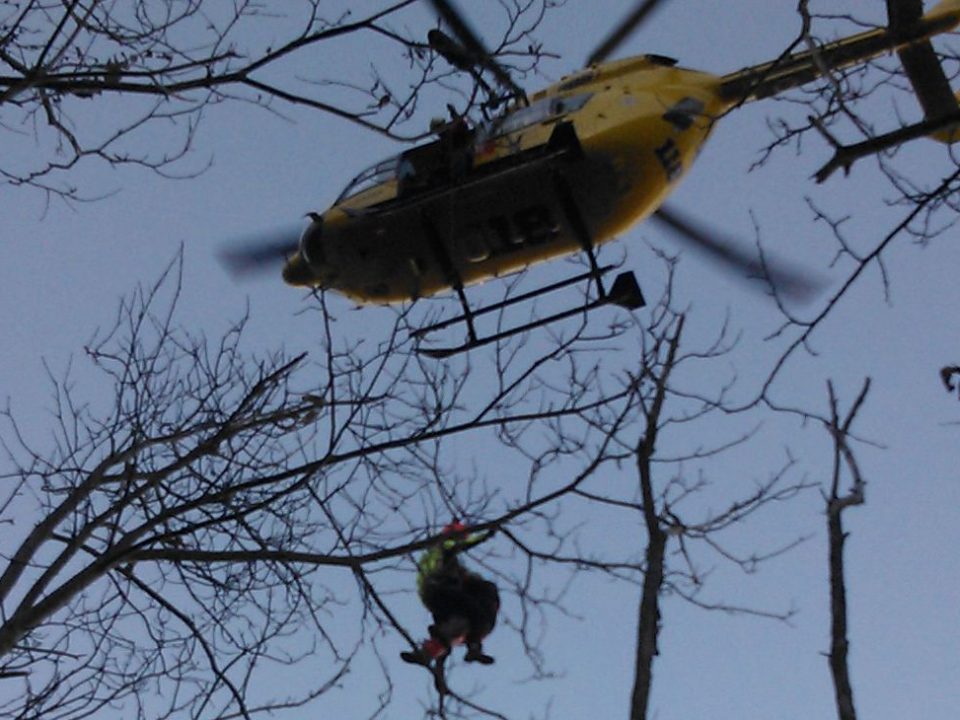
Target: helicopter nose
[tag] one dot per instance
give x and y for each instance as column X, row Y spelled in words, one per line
column 305, row 269
column 311, row 242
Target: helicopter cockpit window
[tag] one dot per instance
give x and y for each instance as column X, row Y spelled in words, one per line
column 569, row 103
column 381, row 172
column 548, row 108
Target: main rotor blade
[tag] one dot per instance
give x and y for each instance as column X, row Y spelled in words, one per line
column 619, row 34
column 790, row 282
column 457, row 55
column 452, row 51
column 265, row 252
column 473, row 47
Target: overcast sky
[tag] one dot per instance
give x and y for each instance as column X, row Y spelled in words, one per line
column 66, row 266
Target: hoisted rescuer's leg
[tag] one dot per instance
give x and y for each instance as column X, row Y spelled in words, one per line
column 463, row 604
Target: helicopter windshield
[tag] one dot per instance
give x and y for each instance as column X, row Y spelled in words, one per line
column 548, row 108
column 375, row 175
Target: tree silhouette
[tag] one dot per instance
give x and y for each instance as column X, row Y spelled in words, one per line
column 189, row 532
column 151, row 66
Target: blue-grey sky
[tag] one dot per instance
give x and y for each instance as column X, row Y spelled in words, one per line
column 66, row 266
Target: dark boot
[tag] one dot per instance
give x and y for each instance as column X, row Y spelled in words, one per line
column 475, row 654
column 416, row 657
column 430, row 650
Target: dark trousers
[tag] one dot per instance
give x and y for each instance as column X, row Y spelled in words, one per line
column 473, row 599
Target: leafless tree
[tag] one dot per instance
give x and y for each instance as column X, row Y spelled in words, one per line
column 918, row 73
column 205, row 518
column 90, row 79
column 663, row 501
column 841, row 108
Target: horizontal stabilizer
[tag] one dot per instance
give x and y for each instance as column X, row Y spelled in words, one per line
column 922, row 65
column 929, row 81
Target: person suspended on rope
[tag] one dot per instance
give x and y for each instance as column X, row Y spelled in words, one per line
column 464, row 605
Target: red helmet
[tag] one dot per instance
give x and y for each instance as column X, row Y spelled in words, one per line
column 454, row 527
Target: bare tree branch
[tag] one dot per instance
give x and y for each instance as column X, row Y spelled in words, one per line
column 153, row 61
column 836, row 504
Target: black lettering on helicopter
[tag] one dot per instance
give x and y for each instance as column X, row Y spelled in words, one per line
column 502, row 231
column 683, row 113
column 534, row 225
column 669, row 156
column 502, row 234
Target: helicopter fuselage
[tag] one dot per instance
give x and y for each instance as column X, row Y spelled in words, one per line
column 584, row 160
column 578, row 164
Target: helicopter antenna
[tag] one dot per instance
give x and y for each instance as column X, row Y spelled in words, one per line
column 470, row 50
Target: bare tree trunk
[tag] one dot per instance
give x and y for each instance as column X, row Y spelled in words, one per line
column 839, row 644
column 649, row 623
column 649, row 627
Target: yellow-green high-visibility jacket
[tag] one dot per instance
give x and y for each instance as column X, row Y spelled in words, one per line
column 432, row 561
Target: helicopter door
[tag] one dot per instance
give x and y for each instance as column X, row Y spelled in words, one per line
column 417, row 168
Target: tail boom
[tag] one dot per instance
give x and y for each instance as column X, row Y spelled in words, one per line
column 790, row 71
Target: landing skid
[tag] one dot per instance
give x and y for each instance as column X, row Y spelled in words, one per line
column 625, row 293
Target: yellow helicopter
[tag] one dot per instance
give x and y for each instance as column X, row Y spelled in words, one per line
column 563, row 171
